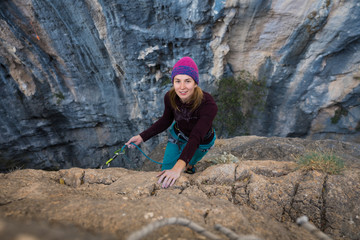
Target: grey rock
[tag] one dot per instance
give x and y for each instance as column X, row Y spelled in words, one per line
column 79, row 79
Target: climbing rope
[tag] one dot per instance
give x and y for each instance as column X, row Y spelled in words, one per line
column 145, row 154
column 122, row 151
column 304, row 222
column 232, row 235
column 193, row 226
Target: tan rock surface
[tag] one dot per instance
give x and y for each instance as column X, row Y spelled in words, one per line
column 260, row 197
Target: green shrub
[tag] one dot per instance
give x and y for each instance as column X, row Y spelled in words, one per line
column 341, row 111
column 237, row 100
column 322, row 161
column 358, row 127
column 59, row 97
column 165, row 81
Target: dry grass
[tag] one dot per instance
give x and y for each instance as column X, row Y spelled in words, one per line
column 326, row 162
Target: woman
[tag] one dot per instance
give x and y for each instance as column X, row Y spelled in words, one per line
column 191, row 135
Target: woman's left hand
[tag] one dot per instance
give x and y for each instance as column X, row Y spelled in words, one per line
column 169, row 177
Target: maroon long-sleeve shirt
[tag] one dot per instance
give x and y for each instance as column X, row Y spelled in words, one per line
column 194, row 124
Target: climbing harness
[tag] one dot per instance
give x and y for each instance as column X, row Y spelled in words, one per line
column 186, row 138
column 122, row 151
column 177, row 137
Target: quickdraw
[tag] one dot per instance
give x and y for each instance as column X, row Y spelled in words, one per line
column 122, row 151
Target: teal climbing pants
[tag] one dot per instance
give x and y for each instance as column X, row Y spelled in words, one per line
column 176, row 145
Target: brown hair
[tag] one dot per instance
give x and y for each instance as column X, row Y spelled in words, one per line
column 195, row 99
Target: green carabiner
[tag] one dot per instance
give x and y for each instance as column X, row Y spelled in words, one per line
column 116, row 153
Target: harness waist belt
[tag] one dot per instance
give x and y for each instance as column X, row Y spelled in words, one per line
column 186, row 138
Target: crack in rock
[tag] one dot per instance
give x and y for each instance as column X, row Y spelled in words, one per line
column 5, row 203
column 72, row 177
column 206, row 214
column 324, row 191
column 291, row 203
column 154, row 190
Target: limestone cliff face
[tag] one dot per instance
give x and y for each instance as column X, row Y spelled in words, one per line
column 78, row 79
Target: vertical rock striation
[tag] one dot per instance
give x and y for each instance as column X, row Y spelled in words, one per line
column 77, row 79
column 307, row 52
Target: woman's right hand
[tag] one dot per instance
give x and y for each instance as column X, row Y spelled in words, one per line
column 135, row 139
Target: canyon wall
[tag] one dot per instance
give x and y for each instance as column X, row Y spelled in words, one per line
column 78, row 79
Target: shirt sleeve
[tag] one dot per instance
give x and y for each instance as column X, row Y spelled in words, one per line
column 162, row 124
column 207, row 113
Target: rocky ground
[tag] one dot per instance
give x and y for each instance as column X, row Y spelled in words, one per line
column 251, row 185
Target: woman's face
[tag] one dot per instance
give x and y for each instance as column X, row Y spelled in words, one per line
column 184, row 86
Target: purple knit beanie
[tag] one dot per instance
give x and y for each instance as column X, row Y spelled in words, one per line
column 186, row 66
